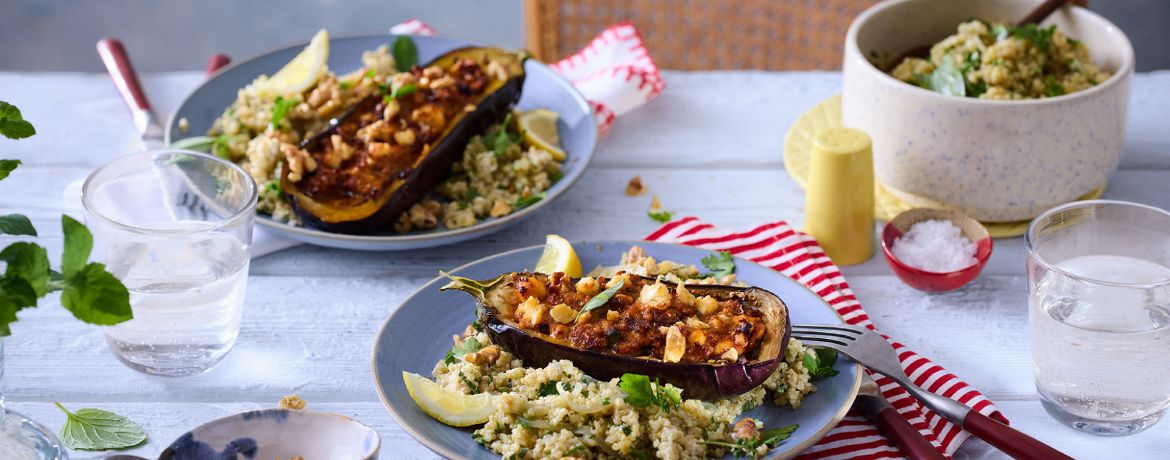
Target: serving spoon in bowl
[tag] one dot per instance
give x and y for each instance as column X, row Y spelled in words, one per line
column 1038, row 14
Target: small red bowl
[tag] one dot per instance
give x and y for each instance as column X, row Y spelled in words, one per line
column 933, row 281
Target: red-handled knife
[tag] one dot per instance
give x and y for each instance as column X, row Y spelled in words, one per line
column 876, row 408
column 117, row 62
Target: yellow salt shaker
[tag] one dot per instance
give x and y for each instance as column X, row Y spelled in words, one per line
column 838, row 206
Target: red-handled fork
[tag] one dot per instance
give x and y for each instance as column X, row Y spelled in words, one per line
column 871, row 350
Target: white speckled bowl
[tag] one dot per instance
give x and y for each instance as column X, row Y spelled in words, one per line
column 277, row 434
column 997, row 161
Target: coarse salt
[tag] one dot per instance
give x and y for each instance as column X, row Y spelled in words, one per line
column 935, row 246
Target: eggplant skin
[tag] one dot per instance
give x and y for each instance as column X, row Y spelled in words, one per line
column 430, row 169
column 697, row 380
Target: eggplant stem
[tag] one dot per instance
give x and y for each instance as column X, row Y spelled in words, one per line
column 477, row 289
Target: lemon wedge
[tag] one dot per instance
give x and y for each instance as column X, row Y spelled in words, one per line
column 302, row 72
column 558, row 256
column 540, row 130
column 450, row 407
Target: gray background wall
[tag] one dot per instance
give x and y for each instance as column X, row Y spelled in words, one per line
column 180, row 35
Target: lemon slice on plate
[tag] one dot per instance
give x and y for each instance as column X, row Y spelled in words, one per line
column 450, row 407
column 302, row 72
column 540, row 130
column 558, row 256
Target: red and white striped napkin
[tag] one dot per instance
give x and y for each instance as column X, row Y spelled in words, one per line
column 614, row 72
column 778, row 246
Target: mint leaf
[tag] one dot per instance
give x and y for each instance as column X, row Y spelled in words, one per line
column 405, row 53
column 197, row 143
column 721, row 263
column 819, row 362
column 96, row 429
column 7, row 166
column 470, row 345
column 280, row 109
column 16, row 224
column 15, row 294
column 78, row 244
column 13, row 124
column 29, row 262
column 660, row 216
column 95, row 296
column 599, row 300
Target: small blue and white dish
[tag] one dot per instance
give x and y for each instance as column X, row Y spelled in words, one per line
column 277, row 434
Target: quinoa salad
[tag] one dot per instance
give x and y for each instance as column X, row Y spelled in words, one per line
column 996, row 61
column 557, row 411
column 498, row 173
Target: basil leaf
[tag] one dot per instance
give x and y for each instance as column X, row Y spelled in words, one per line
column 947, row 79
column 600, row 299
column 16, row 224
column 13, row 124
column 78, row 244
column 405, row 53
column 197, row 143
column 7, row 166
column 95, row 296
column 721, row 263
column 96, row 429
column 29, row 262
column 661, row 216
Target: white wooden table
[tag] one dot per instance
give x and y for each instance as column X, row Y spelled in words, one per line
column 710, row 146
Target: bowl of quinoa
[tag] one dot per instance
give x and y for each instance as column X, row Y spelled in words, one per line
column 556, row 410
column 999, row 121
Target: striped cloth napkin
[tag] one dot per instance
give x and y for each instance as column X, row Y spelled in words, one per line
column 613, row 72
column 776, row 245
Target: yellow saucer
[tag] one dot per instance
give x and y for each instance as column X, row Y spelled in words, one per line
column 798, row 142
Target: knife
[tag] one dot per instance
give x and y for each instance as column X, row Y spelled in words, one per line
column 890, row 423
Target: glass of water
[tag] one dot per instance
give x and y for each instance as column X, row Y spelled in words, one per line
column 175, row 227
column 1099, row 312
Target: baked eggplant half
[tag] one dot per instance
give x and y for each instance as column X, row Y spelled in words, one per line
column 389, row 150
column 711, row 341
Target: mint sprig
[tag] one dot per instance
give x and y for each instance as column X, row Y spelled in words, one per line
column 819, row 362
column 7, row 166
column 96, row 429
column 12, row 123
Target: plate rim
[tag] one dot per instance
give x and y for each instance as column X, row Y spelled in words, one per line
column 434, row 447
column 390, row 242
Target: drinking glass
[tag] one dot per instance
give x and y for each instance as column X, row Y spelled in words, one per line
column 175, row 226
column 1099, row 313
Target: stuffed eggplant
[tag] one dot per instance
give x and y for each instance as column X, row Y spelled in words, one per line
column 711, row 341
column 388, row 150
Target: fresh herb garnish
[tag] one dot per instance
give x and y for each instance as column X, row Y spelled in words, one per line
column 640, row 454
column 548, row 388
column 526, row 201
column 721, row 263
column 641, row 393
column 947, row 78
column 500, row 140
column 660, row 216
column 405, row 53
column 1052, row 88
column 370, row 74
column 469, row 345
column 280, row 109
column 345, row 85
column 748, row 447
column 573, row 451
column 12, row 123
column 470, row 383
column 196, row 143
column 16, row 224
column 819, row 362
column 1038, row 36
column 600, row 299
column 96, row 429
column 7, row 166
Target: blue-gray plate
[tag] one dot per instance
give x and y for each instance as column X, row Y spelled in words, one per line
column 418, row 334
column 543, row 88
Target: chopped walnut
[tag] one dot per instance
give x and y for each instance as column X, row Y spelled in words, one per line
column 433, row 72
column 497, row 71
column 746, row 428
column 487, row 355
column 292, row 402
column 391, row 109
column 655, row 205
column 404, row 137
column 676, row 345
column 422, row 218
column 378, row 149
column 469, row 108
column 299, row 162
column 430, row 117
column 339, row 153
column 635, row 187
column 613, row 316
column 500, row 209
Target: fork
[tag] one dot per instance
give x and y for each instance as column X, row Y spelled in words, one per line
column 871, row 350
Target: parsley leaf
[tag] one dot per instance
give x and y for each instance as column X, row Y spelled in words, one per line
column 641, row 393
column 405, row 53
column 220, row 148
column 470, row 345
column 96, row 429
column 280, row 109
column 1039, row 37
column 12, row 123
column 599, row 300
column 526, row 201
column 660, row 216
column 1052, row 88
column 7, row 166
column 721, row 263
column 499, row 141
column 16, row 224
column 548, row 388
column 819, row 362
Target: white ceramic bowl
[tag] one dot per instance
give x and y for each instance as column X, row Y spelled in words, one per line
column 997, row 161
column 277, row 434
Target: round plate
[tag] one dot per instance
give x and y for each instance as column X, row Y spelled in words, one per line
column 888, row 202
column 277, row 433
column 543, row 88
column 417, row 335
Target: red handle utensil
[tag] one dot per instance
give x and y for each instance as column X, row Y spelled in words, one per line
column 217, row 62
column 905, row 436
column 1009, row 440
column 117, row 62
